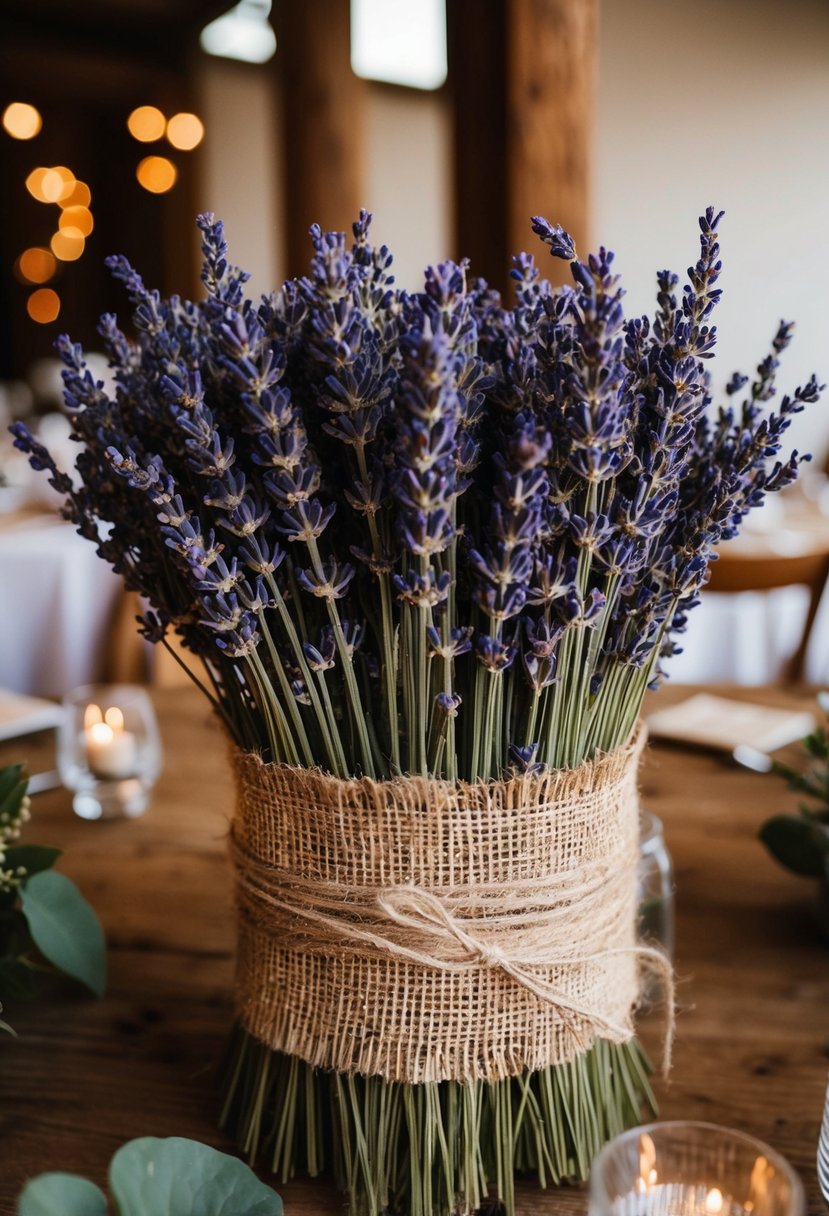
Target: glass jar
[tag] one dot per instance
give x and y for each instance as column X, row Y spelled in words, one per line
column 655, row 895
column 692, row 1169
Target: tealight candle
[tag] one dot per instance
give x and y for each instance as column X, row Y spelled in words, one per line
column 692, row 1169
column 111, row 751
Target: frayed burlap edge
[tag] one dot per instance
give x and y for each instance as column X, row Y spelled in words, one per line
column 422, row 930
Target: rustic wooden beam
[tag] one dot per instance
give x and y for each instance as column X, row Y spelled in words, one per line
column 322, row 114
column 523, row 80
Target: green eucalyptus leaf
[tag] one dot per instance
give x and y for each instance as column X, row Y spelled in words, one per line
column 61, row 1195
column 65, row 929
column 9, row 778
column 10, row 804
column 798, row 844
column 33, row 857
column 177, row 1177
column 17, row 981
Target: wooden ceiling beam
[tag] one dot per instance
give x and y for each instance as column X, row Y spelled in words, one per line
column 523, row 82
column 323, row 121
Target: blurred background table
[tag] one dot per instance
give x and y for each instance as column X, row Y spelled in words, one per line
column 764, row 615
column 84, row 1076
column 57, row 604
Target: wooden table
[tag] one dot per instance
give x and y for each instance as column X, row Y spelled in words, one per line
column 84, row 1076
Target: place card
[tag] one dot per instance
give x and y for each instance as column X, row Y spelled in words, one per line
column 24, row 715
column 723, row 724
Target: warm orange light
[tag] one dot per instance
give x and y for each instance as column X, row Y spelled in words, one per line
column 77, row 217
column 156, row 174
column 36, row 265
column 34, row 184
column 92, row 716
column 146, row 124
column 43, row 305
column 67, row 244
column 80, row 196
column 21, row 121
column 57, row 184
column 114, row 718
column 185, row 131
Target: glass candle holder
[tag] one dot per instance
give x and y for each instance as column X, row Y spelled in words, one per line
column 109, row 751
column 692, row 1169
column 655, row 892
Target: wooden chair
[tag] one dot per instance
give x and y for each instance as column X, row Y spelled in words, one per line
column 765, row 570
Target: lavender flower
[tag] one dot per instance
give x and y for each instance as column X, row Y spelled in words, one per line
column 420, row 532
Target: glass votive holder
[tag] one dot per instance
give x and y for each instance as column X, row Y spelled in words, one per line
column 692, row 1169
column 109, row 751
column 655, row 896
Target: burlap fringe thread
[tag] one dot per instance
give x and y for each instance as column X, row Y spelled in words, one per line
column 426, row 931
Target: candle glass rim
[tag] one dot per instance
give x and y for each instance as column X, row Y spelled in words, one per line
column 599, row 1197
column 651, row 831
column 83, row 694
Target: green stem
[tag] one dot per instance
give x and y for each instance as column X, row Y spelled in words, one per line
column 287, row 692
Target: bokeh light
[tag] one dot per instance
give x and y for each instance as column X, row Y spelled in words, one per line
column 67, row 244
column 34, row 184
column 146, row 124
column 156, row 174
column 36, row 265
column 77, row 217
column 185, row 131
column 80, row 196
column 21, row 120
column 57, row 184
column 43, row 305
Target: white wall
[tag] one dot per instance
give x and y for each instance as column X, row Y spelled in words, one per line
column 723, row 102
column 240, row 182
column 409, row 188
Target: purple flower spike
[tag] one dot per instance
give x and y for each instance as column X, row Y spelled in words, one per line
column 560, row 242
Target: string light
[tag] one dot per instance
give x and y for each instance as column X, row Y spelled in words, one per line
column 67, row 244
column 79, row 218
column 43, row 305
column 185, row 131
column 34, row 184
column 146, row 124
column 80, row 196
column 36, row 265
column 21, row 120
column 156, row 174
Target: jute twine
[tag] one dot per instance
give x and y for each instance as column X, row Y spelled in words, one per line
column 422, row 930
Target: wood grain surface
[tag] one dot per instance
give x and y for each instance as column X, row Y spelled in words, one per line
column 86, row 1075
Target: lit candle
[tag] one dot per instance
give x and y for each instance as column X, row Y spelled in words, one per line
column 111, row 751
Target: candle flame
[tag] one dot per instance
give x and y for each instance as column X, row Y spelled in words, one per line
column 647, row 1162
column 99, row 732
column 114, row 718
column 92, row 716
column 714, row 1201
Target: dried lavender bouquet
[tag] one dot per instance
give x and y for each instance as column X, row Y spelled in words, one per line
column 425, row 534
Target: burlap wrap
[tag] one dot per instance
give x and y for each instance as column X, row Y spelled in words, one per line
column 423, row 931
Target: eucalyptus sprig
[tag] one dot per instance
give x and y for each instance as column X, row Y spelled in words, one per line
column 151, row 1176
column 801, row 842
column 45, row 923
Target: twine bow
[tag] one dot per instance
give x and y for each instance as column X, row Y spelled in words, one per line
column 415, row 908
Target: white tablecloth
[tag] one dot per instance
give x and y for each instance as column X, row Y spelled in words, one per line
column 57, row 600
